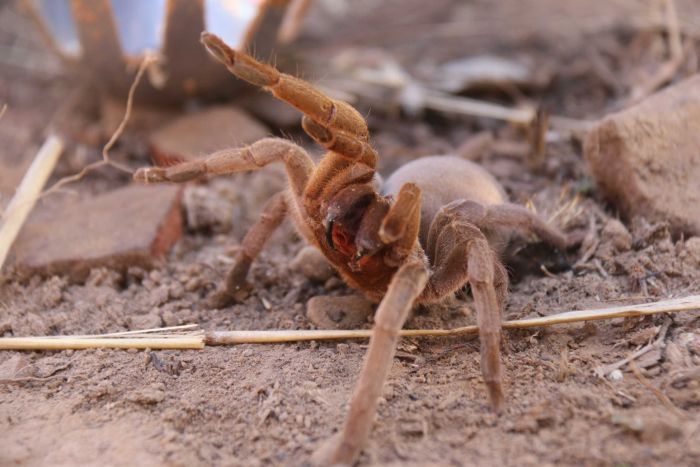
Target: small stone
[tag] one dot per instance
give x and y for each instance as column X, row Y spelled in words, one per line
column 193, row 284
column 333, row 283
column 202, row 132
column 631, row 423
column 690, row 341
column 158, row 296
column 15, row 366
column 657, row 430
column 5, row 326
column 176, row 291
column 213, row 207
column 616, row 233
column 691, row 251
column 348, row 312
column 615, row 375
column 132, row 226
column 312, row 264
column 170, row 318
column 150, row 395
column 149, row 321
column 646, row 159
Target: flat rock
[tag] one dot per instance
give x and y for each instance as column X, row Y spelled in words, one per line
column 348, row 312
column 646, row 159
column 199, row 133
column 132, row 226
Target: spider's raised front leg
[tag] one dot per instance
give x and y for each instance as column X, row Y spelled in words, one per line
column 334, row 124
column 272, row 216
column 297, row 162
column 460, row 253
column 299, row 168
column 405, row 286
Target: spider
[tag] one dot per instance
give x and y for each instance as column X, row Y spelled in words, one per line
column 435, row 225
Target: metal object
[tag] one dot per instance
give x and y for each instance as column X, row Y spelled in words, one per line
column 107, row 39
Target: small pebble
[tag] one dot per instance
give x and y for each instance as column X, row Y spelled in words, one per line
column 615, row 375
column 347, row 312
column 312, row 264
column 617, row 234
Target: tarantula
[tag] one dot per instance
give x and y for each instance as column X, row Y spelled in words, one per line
column 435, row 225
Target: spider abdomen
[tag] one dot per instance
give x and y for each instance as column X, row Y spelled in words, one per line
column 443, row 179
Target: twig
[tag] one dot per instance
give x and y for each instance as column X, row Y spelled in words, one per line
column 665, row 306
column 466, row 106
column 398, row 80
column 537, row 133
column 148, row 60
column 195, row 339
column 28, row 379
column 663, row 398
column 27, row 193
column 604, row 370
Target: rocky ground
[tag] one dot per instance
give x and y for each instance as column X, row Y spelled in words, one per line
column 274, row 404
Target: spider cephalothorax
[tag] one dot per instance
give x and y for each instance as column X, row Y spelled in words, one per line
column 435, row 225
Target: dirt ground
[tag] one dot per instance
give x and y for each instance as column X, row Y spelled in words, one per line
column 273, row 404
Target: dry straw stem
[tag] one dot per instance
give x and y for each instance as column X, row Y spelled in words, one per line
column 27, row 193
column 665, row 306
column 189, row 337
column 175, row 337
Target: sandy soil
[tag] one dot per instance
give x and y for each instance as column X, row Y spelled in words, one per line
column 273, row 404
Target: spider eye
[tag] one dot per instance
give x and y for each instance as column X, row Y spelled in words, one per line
column 329, row 234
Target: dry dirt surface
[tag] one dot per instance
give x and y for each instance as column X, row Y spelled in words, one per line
column 254, row 405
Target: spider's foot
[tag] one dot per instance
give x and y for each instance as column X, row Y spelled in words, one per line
column 332, row 452
column 495, row 391
column 223, row 297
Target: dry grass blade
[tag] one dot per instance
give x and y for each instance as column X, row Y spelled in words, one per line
column 27, row 193
column 67, row 342
column 604, row 370
column 474, row 107
column 190, row 337
column 665, row 306
column 174, row 337
column 663, row 398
